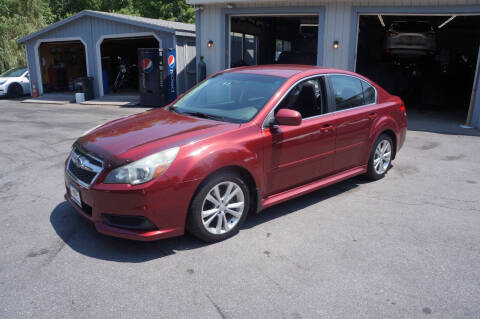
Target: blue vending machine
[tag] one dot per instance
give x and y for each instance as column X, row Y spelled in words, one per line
column 172, row 75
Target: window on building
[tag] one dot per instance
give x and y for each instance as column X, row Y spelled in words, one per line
column 244, row 49
column 282, row 46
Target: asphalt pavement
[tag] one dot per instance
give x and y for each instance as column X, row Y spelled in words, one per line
column 406, row 246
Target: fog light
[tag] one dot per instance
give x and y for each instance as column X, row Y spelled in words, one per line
column 128, row 222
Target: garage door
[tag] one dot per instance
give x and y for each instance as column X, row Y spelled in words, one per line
column 280, row 38
column 61, row 63
column 430, row 61
column 119, row 61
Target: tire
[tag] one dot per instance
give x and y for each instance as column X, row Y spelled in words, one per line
column 210, row 219
column 14, row 91
column 380, row 158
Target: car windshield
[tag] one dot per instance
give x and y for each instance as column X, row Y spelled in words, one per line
column 229, row 97
column 411, row 27
column 14, row 72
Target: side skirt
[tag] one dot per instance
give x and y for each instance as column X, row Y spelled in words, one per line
column 313, row 186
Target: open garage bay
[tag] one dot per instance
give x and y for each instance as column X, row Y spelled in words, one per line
column 428, row 60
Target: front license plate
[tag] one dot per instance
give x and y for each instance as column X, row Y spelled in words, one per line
column 75, row 195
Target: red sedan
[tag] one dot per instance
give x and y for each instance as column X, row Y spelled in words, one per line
column 240, row 141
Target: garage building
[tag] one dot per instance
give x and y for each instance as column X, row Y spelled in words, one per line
column 98, row 45
column 439, row 83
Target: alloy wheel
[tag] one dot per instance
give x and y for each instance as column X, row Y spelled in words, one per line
column 382, row 157
column 223, row 207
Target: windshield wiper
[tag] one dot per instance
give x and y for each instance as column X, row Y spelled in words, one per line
column 205, row 116
column 172, row 109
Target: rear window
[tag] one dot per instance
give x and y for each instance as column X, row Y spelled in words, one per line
column 413, row 27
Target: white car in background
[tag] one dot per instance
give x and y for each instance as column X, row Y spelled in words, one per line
column 14, row 82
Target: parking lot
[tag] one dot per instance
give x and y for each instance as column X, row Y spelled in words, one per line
column 407, row 246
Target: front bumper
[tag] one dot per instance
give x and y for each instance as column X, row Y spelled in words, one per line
column 162, row 202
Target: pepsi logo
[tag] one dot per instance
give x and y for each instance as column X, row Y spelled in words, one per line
column 146, row 65
column 171, row 61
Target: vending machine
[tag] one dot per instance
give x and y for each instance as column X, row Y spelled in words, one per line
column 153, row 76
column 172, row 75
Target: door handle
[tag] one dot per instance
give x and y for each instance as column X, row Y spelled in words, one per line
column 326, row 128
column 372, row 115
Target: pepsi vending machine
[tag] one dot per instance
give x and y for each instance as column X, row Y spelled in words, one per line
column 172, row 75
column 152, row 76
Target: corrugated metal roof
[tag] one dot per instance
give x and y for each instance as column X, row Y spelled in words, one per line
column 155, row 24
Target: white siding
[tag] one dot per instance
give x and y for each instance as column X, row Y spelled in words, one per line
column 210, row 29
column 337, row 24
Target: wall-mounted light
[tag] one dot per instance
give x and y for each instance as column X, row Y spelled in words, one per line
column 335, row 44
column 210, row 44
column 200, row 8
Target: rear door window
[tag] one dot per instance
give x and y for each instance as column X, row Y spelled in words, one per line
column 347, row 90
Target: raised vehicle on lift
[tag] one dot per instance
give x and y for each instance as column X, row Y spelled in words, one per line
column 410, row 39
column 240, row 141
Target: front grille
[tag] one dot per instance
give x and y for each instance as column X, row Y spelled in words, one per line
column 92, row 159
column 83, row 175
column 84, row 168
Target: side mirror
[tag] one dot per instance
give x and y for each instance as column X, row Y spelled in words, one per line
column 288, row 117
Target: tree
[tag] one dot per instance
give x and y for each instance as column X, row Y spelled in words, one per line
column 174, row 10
column 64, row 8
column 19, row 18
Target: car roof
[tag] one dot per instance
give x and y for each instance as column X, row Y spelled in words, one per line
column 283, row 70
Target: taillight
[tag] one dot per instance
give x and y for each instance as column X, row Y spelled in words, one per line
column 392, row 33
column 403, row 109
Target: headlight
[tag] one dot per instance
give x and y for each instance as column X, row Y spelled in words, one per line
column 143, row 170
column 2, row 82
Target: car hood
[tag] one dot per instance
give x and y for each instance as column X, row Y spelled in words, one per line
column 133, row 137
column 8, row 79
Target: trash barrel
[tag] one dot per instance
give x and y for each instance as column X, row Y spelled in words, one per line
column 106, row 84
column 79, row 97
column 85, row 85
